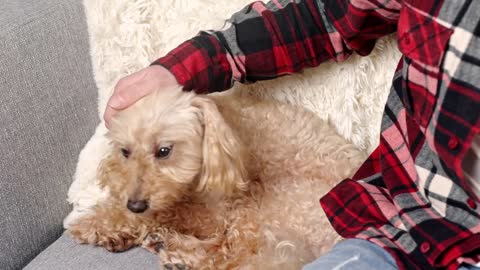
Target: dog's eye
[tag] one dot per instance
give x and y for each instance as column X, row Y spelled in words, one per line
column 163, row 152
column 125, row 152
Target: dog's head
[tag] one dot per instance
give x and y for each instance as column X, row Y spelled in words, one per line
column 169, row 145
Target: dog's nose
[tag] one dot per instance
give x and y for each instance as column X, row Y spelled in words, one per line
column 137, row 206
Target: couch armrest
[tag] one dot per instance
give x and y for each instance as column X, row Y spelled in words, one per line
column 48, row 112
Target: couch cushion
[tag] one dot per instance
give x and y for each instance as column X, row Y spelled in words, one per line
column 65, row 254
column 47, row 113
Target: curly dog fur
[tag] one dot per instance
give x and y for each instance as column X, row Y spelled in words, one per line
column 218, row 182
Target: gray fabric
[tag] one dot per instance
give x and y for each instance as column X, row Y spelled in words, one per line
column 47, row 113
column 65, row 254
column 14, row 13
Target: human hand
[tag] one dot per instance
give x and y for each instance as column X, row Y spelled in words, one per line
column 133, row 87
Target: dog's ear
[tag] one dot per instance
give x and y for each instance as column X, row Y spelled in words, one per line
column 223, row 166
column 104, row 170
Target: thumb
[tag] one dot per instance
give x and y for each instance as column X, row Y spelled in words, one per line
column 124, row 93
column 116, row 102
column 125, row 97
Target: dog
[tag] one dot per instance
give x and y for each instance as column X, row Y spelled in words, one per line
column 218, row 182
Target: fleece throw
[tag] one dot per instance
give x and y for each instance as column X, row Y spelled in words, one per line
column 127, row 35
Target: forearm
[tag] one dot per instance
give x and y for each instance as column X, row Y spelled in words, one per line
column 265, row 41
column 280, row 37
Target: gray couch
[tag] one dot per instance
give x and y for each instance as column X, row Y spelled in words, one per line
column 48, row 112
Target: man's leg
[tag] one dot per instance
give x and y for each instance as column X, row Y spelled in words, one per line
column 354, row 254
column 468, row 267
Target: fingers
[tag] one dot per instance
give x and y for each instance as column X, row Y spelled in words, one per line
column 124, row 94
column 128, row 90
column 133, row 87
column 108, row 114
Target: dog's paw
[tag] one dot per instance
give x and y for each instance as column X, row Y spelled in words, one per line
column 177, row 266
column 112, row 241
column 170, row 260
column 117, row 242
column 154, row 242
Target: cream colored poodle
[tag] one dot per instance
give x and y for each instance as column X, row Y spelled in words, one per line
column 218, row 182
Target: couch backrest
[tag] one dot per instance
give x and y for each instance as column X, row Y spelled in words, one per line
column 47, row 113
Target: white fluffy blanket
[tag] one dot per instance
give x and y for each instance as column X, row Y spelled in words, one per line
column 127, row 35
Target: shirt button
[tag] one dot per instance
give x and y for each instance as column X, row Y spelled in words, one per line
column 453, row 143
column 425, row 247
column 471, row 203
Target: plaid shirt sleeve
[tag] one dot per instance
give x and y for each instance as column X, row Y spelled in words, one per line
column 267, row 40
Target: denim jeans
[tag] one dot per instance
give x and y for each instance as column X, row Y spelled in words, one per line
column 357, row 254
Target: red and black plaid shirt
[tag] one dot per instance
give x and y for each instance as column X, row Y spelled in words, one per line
column 410, row 196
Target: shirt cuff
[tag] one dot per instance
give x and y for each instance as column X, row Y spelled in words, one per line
column 199, row 64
